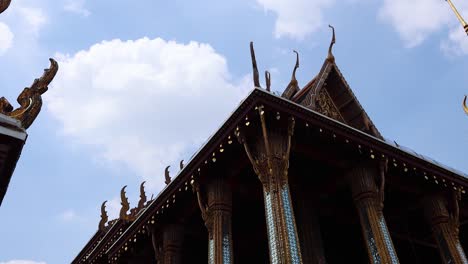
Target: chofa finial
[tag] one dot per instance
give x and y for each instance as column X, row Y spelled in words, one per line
column 166, row 175
column 293, row 86
column 293, row 77
column 330, row 49
column 181, row 164
column 104, row 217
column 465, row 108
column 460, row 18
column 256, row 77
column 4, row 4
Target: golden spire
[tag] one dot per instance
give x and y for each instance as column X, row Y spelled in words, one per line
column 464, row 105
column 460, row 18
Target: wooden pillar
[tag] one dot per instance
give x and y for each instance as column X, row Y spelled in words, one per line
column 445, row 228
column 217, row 217
column 369, row 207
column 269, row 155
column 172, row 244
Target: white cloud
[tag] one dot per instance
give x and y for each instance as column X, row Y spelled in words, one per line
column 77, row 7
column 34, row 18
column 457, row 42
column 22, row 262
column 142, row 103
column 296, row 18
column 6, row 38
column 415, row 20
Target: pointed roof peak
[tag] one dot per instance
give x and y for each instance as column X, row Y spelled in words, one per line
column 331, row 57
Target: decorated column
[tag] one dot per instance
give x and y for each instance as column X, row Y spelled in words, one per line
column 216, row 214
column 369, row 203
column 268, row 151
column 172, row 244
column 445, row 227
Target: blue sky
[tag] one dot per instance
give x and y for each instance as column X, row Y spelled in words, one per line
column 142, row 85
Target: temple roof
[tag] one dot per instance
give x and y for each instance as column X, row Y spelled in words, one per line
column 111, row 242
column 12, row 138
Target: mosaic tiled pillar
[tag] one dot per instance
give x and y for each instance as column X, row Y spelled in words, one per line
column 172, row 244
column 444, row 230
column 218, row 222
column 269, row 155
column 374, row 228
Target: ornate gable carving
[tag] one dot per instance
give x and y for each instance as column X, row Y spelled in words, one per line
column 324, row 105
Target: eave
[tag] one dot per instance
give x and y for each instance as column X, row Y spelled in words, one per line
column 12, row 139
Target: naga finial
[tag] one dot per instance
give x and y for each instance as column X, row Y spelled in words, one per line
column 181, row 164
column 142, row 201
column 125, row 204
column 30, row 99
column 4, row 4
column 465, row 108
column 460, row 18
column 256, row 77
column 166, row 174
column 293, row 86
column 268, row 80
column 293, row 77
column 330, row 49
column 104, row 217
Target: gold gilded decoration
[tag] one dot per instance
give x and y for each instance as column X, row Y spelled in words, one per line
column 326, row 106
column 30, row 99
column 460, row 18
column 104, row 217
column 330, row 57
column 142, row 201
column 4, row 4
column 125, row 205
column 167, row 176
column 465, row 108
column 256, row 77
column 293, row 86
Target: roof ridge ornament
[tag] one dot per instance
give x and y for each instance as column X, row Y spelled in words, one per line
column 256, row 77
column 465, row 108
column 167, row 176
column 30, row 99
column 268, row 80
column 181, row 164
column 142, row 201
column 331, row 57
column 4, row 4
column 104, row 217
column 293, row 86
column 125, row 205
column 460, row 18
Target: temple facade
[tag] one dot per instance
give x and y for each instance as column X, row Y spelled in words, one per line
column 302, row 177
